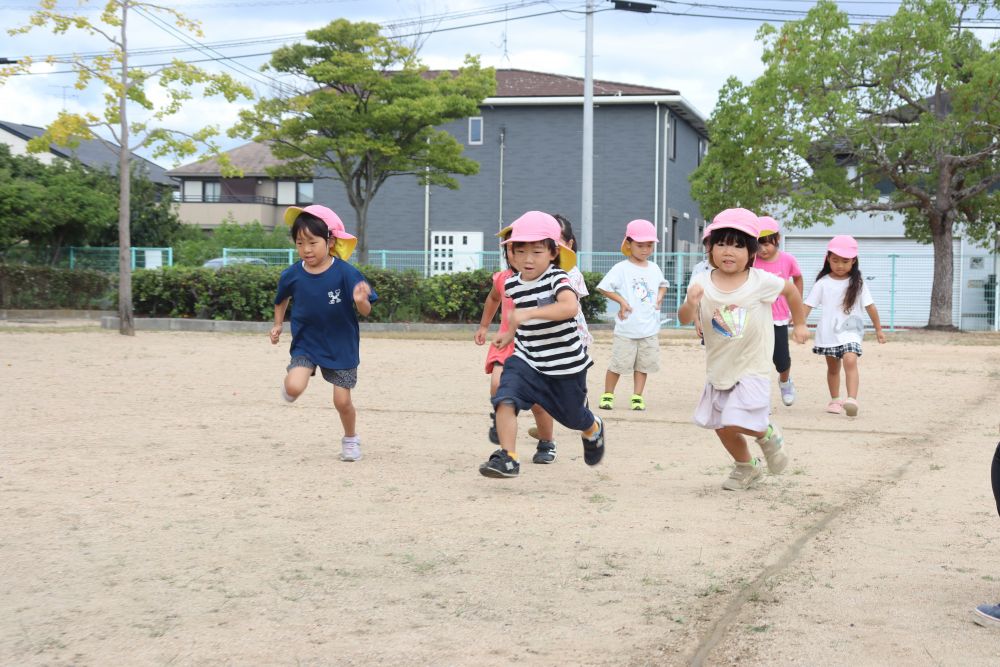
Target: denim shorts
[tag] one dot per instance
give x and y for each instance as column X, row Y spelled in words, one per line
column 564, row 397
column 346, row 378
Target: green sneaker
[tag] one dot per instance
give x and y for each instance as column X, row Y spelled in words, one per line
column 638, row 402
column 607, row 401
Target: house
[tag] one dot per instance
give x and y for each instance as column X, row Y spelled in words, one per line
column 207, row 199
column 92, row 153
column 527, row 141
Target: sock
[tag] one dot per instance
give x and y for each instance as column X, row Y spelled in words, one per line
column 594, row 429
column 785, row 383
column 838, row 399
column 353, row 439
column 512, row 455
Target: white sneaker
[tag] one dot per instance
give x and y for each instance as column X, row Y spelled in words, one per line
column 350, row 449
column 787, row 391
column 742, row 476
column 286, row 396
column 774, row 451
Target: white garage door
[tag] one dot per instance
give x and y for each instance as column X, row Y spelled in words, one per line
column 899, row 273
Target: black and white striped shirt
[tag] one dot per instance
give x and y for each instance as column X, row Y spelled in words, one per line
column 552, row 347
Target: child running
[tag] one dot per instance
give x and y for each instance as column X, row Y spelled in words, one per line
column 785, row 266
column 497, row 356
column 325, row 333
column 841, row 293
column 549, row 364
column 734, row 300
column 637, row 285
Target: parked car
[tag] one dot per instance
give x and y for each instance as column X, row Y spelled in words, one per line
column 219, row 262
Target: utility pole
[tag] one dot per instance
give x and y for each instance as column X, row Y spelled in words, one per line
column 587, row 172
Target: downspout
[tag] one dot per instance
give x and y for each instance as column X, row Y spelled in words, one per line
column 427, row 221
column 666, row 161
column 656, row 179
column 503, row 134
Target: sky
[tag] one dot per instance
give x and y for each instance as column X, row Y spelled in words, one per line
column 690, row 47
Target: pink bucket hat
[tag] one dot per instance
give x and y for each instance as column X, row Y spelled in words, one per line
column 344, row 244
column 767, row 226
column 844, row 246
column 640, row 231
column 740, row 219
column 539, row 226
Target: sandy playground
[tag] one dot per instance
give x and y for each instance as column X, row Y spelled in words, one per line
column 162, row 506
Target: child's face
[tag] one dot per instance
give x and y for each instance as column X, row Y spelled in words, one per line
column 840, row 267
column 642, row 250
column 730, row 258
column 511, row 259
column 313, row 250
column 532, row 259
column 767, row 247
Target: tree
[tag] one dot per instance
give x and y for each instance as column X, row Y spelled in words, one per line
column 125, row 88
column 911, row 104
column 370, row 115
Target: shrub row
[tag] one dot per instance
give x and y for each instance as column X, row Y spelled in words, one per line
column 246, row 292
column 36, row 287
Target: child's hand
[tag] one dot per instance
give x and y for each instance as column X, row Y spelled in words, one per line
column 880, row 335
column 361, row 292
column 502, row 340
column 480, row 336
column 800, row 333
column 694, row 294
column 697, row 327
column 624, row 311
column 275, row 334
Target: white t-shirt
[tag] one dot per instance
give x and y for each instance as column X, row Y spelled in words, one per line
column 700, row 267
column 739, row 327
column 579, row 285
column 836, row 327
column 638, row 285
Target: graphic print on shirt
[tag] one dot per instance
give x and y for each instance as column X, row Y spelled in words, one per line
column 641, row 290
column 729, row 321
column 852, row 324
column 334, row 297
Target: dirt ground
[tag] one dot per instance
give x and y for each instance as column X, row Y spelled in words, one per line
column 161, row 505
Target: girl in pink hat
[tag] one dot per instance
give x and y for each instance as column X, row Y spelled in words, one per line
column 637, row 285
column 840, row 292
column 549, row 364
column 327, row 293
column 784, row 265
column 734, row 303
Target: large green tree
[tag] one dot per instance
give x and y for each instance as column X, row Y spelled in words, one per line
column 369, row 113
column 901, row 115
column 125, row 89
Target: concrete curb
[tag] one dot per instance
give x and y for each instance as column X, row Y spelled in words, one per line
column 54, row 314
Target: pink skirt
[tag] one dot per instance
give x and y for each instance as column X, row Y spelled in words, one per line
column 746, row 404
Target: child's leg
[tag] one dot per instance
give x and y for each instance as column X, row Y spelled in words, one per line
column 345, row 408
column 833, row 376
column 297, row 380
column 610, row 382
column 507, row 427
column 639, row 380
column 495, row 378
column 543, row 423
column 734, row 442
column 851, row 375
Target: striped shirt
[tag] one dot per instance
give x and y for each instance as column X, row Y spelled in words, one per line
column 551, row 347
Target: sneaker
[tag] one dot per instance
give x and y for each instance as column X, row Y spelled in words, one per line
column 607, row 401
column 285, row 395
column 742, row 476
column 851, row 407
column 546, row 452
column 987, row 615
column 350, row 449
column 492, row 435
column 593, row 448
column 500, row 464
column 787, row 391
column 638, row 402
column 774, row 450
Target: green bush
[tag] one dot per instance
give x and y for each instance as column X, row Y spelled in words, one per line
column 27, row 287
column 398, row 294
column 455, row 297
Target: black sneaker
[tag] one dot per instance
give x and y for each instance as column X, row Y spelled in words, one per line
column 500, row 464
column 492, row 435
column 593, row 448
column 546, row 452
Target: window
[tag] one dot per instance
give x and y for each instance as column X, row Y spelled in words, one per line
column 672, row 138
column 305, row 192
column 213, row 191
column 192, row 191
column 476, row 131
column 286, row 193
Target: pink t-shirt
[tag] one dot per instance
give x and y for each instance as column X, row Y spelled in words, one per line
column 506, row 303
column 786, row 267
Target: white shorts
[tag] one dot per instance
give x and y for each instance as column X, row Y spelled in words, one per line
column 746, row 404
column 635, row 354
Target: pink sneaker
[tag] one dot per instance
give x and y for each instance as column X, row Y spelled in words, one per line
column 835, row 407
column 851, row 407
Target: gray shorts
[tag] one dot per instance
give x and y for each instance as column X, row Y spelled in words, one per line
column 346, row 378
column 635, row 354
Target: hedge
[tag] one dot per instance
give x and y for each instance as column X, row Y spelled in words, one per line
column 43, row 287
column 246, row 292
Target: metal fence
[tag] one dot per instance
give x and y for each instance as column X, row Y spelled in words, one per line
column 84, row 257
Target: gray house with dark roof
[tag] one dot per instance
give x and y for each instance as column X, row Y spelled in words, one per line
column 527, row 140
column 92, row 153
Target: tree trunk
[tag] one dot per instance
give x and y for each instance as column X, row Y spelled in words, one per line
column 361, row 217
column 944, row 277
column 126, row 326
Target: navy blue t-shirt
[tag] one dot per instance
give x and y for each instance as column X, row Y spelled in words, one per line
column 324, row 323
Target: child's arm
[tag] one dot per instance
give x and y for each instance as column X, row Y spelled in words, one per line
column 873, row 313
column 799, row 285
column 624, row 310
column 361, row 293
column 689, row 309
column 279, row 320
column 489, row 311
column 800, row 333
column 564, row 308
column 660, row 293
